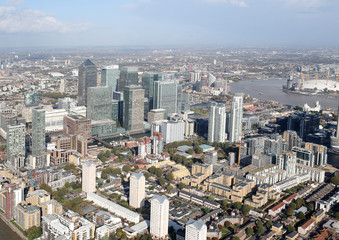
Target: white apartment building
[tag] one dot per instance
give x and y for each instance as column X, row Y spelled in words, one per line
column 159, row 216
column 196, row 230
column 88, row 177
column 137, row 190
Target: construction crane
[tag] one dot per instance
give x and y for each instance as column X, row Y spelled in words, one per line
column 328, row 74
column 302, row 77
column 238, row 145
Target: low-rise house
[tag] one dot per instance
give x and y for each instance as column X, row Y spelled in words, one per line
column 306, row 227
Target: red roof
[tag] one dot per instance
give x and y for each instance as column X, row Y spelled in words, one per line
column 307, row 223
column 276, row 207
column 291, row 197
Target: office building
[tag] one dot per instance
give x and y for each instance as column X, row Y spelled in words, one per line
column 27, row 216
column 88, row 177
column 172, row 130
column 16, row 146
column 32, row 98
column 156, row 115
column 159, row 216
column 167, row 95
column 55, row 120
column 137, row 190
column 110, row 76
column 67, row 103
column 77, row 125
column 235, row 121
column 196, row 230
column 104, row 128
column 133, row 120
column 217, row 123
column 148, row 80
column 38, row 131
column 99, row 103
column 87, row 78
column 128, row 77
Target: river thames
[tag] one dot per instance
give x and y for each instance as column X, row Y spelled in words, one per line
column 271, row 90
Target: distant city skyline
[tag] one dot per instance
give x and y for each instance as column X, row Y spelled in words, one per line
column 217, row 23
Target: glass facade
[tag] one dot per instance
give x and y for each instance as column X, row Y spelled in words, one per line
column 167, row 95
column 148, row 80
column 32, row 98
column 99, row 103
column 133, row 108
column 128, row 77
column 110, row 76
column 38, row 131
column 16, row 145
column 87, row 78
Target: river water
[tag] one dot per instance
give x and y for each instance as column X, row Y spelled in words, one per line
column 6, row 232
column 271, row 90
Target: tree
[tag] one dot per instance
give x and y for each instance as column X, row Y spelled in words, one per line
column 181, row 185
column 147, row 175
column 46, row 187
column 152, row 169
column 301, row 215
column 290, row 228
column 336, row 215
column 220, row 227
column 235, row 238
column 169, row 177
column 249, row 232
column 169, row 187
column 289, row 211
column 260, row 230
column 69, row 166
column 227, row 224
column 126, row 168
column 190, row 151
column 158, row 172
column 34, row 232
column 161, row 181
column 245, row 209
column 237, row 205
column 108, row 153
column 103, row 159
column 310, row 207
column 299, row 203
column 198, row 149
column 269, row 224
column 335, row 180
column 293, row 206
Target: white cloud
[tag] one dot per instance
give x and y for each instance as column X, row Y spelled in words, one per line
column 240, row 3
column 15, row 20
column 14, row 2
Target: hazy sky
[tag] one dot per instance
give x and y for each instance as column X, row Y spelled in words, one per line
column 224, row 23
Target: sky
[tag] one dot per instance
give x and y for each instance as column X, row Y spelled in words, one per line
column 212, row 23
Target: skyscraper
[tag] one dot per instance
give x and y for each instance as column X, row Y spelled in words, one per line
column 287, row 161
column 16, row 146
column 38, row 131
column 196, row 230
column 148, row 80
column 99, row 103
column 88, row 177
column 136, row 190
column 133, row 111
column 128, row 77
column 87, row 78
column 236, row 115
column 159, row 216
column 217, row 123
column 167, row 95
column 110, row 76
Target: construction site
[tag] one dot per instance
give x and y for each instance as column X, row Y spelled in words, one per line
column 313, row 83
